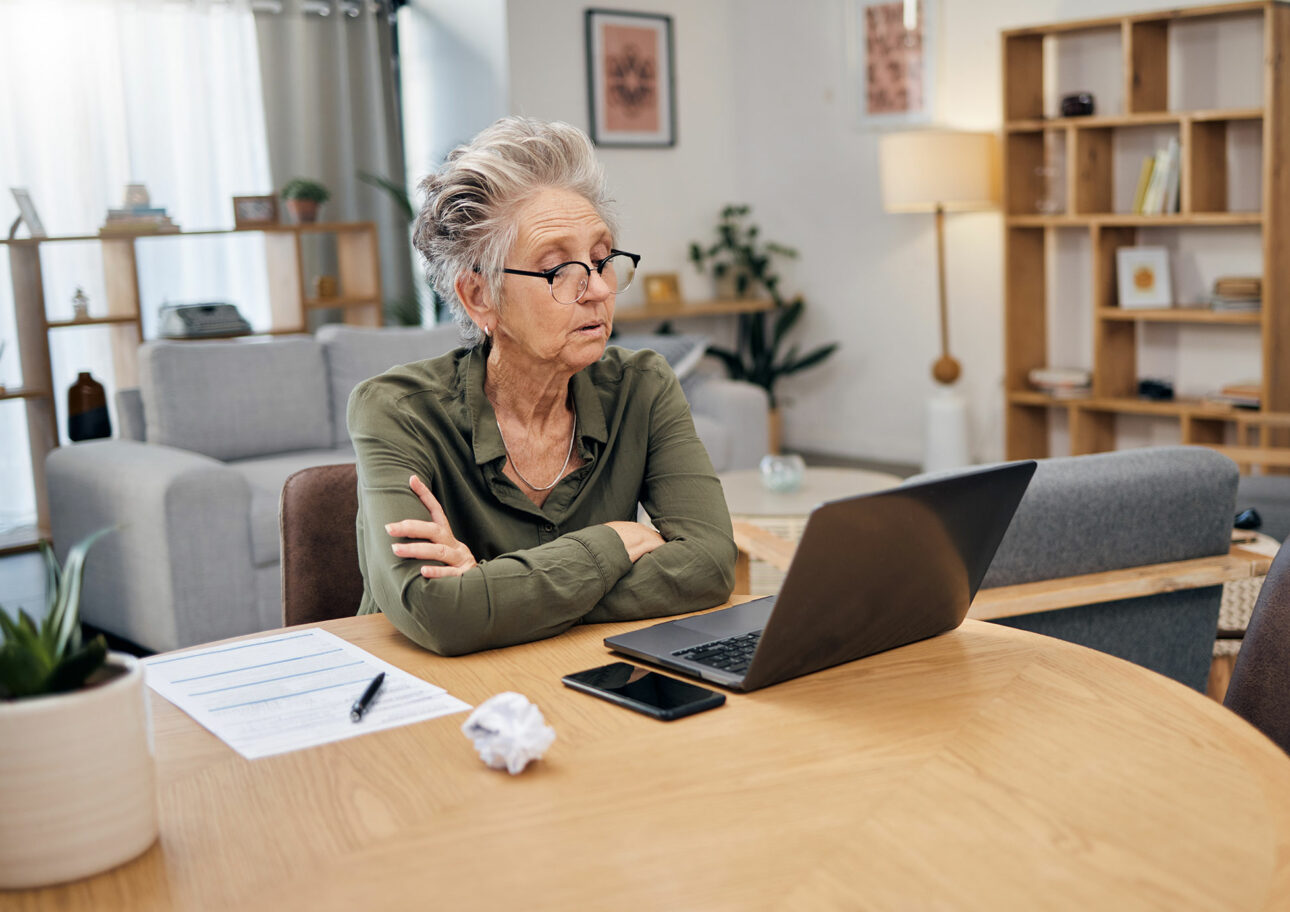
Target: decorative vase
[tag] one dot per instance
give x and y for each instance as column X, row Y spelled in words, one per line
column 782, row 474
column 77, row 779
column 302, row 211
column 87, row 414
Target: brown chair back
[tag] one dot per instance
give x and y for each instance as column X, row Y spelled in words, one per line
column 1260, row 686
column 320, row 575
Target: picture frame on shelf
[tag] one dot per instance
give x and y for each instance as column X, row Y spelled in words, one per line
column 255, row 211
column 631, row 89
column 1142, row 278
column 663, row 289
column 26, row 213
column 892, row 56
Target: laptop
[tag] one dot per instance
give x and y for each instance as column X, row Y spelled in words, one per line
column 870, row 573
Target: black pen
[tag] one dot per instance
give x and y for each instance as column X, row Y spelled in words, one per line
column 362, row 703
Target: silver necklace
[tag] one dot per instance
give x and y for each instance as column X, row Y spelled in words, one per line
column 573, row 433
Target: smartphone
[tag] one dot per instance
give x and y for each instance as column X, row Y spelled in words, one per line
column 646, row 692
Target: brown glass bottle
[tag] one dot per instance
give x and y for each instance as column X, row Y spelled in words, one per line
column 87, row 414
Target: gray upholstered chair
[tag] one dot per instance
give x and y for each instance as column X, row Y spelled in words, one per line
column 1260, row 686
column 1088, row 514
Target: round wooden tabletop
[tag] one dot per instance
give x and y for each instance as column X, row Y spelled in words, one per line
column 747, row 496
column 987, row 768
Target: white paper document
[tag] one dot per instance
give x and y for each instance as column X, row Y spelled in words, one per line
column 285, row 691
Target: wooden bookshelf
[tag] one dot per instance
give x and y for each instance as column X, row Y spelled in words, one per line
column 715, row 308
column 1085, row 149
column 358, row 264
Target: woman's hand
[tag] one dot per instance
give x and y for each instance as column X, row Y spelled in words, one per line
column 638, row 539
column 438, row 543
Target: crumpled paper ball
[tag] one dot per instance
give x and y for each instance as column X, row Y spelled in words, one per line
column 508, row 732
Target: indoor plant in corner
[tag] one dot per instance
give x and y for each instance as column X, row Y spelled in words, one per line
column 303, row 197
column 77, row 780
column 742, row 259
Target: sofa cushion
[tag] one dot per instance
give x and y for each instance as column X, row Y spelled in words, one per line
column 355, row 353
column 266, row 477
column 237, row 398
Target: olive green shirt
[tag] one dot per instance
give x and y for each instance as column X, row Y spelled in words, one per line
column 541, row 569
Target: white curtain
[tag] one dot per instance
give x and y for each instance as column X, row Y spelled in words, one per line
column 331, row 110
column 101, row 93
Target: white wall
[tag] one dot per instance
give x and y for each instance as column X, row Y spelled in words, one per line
column 666, row 197
column 764, row 106
column 869, row 277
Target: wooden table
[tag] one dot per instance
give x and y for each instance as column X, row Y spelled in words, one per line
column 988, row 768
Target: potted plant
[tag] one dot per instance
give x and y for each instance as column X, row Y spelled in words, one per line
column 77, row 780
column 303, row 197
column 741, row 258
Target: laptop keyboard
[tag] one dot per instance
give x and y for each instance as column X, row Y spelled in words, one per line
column 733, row 654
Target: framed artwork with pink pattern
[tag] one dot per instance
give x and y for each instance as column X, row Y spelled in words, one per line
column 629, row 78
column 894, row 61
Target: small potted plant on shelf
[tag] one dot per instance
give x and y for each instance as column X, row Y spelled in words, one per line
column 745, row 263
column 77, row 781
column 303, row 197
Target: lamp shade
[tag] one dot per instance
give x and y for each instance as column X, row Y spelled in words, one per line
column 955, row 170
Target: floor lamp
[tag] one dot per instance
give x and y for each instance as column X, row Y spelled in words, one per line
column 941, row 171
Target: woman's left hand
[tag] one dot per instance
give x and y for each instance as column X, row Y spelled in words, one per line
column 436, row 539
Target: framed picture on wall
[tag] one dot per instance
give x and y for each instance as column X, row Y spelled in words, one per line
column 629, row 78
column 893, row 61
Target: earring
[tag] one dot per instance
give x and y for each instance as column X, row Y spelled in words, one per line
column 487, row 331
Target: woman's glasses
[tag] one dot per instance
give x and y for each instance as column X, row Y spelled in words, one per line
column 569, row 281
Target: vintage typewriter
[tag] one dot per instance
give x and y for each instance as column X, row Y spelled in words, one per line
column 201, row 321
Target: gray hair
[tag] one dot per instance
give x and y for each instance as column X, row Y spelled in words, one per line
column 467, row 219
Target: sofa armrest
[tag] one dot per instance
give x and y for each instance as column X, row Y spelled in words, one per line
column 742, row 408
column 178, row 568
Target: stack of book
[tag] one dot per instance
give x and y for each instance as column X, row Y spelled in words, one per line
column 138, row 220
column 1241, row 395
column 1240, row 293
column 1061, row 382
column 1157, row 192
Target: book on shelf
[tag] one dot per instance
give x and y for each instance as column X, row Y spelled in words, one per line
column 1241, row 395
column 1237, row 293
column 1144, row 181
column 1061, row 382
column 1160, row 195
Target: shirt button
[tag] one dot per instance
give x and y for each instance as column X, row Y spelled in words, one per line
column 547, row 527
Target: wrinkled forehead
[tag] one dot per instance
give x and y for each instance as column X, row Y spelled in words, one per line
column 561, row 218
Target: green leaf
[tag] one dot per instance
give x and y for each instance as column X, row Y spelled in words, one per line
column 397, row 192
column 66, row 615
column 734, row 364
column 22, row 674
column 811, row 358
column 787, row 317
column 72, row 672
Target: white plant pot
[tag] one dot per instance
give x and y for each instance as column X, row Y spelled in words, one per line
column 78, row 788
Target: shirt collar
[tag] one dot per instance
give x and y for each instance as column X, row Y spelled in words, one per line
column 485, row 437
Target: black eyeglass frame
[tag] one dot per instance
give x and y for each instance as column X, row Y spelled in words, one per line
column 549, row 274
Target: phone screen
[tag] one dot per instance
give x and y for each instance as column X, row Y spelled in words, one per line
column 645, row 691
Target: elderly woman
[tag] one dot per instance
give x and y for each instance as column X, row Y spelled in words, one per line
column 498, row 484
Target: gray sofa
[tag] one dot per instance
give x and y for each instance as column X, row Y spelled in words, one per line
column 206, row 443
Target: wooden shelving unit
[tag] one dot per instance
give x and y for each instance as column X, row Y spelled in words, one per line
column 359, row 277
column 1087, row 147
column 715, row 308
